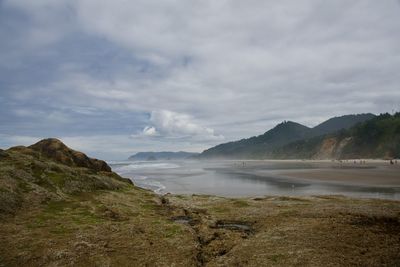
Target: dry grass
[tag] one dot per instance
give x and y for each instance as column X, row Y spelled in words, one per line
column 132, row 227
column 55, row 215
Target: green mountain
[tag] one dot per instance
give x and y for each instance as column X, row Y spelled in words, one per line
column 342, row 122
column 258, row 146
column 262, row 146
column 375, row 138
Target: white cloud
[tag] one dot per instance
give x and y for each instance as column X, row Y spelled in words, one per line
column 150, row 131
column 178, row 125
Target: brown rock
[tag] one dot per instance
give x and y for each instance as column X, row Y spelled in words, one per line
column 56, row 150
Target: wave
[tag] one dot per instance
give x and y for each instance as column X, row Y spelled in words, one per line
column 139, row 178
column 155, row 186
column 160, row 187
column 118, row 162
column 126, row 167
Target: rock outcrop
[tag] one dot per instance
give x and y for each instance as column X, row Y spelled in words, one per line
column 56, row 150
column 50, row 171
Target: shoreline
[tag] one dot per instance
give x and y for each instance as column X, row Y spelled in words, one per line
column 373, row 179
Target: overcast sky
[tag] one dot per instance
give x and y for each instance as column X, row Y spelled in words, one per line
column 116, row 77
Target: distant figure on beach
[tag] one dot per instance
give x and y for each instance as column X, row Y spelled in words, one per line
column 391, row 162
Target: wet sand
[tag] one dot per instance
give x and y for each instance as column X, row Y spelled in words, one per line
column 386, row 177
column 376, row 173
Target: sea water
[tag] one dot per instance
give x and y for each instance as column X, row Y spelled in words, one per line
column 236, row 179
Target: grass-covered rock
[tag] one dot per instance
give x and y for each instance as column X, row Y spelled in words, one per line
column 49, row 170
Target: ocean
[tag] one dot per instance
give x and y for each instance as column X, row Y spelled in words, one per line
column 238, row 179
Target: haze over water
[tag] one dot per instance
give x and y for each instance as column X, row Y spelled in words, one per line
column 238, row 179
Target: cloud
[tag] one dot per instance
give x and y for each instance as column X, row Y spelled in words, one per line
column 177, row 125
column 201, row 69
column 150, row 131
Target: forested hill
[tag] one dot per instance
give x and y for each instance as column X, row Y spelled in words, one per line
column 342, row 122
column 255, row 147
column 262, row 146
column 376, row 138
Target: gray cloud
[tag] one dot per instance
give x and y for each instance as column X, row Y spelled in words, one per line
column 236, row 68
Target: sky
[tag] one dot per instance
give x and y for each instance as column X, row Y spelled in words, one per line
column 112, row 78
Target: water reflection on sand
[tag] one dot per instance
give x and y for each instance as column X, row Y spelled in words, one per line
column 260, row 178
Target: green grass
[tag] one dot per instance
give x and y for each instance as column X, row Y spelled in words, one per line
column 61, row 230
column 183, row 197
column 240, row 203
column 40, row 221
column 173, row 230
column 57, row 178
column 41, row 179
column 156, row 222
column 276, row 257
column 65, row 212
column 220, row 209
column 149, row 206
column 36, row 171
column 288, row 212
column 57, row 207
column 4, row 190
column 83, row 216
column 24, row 186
